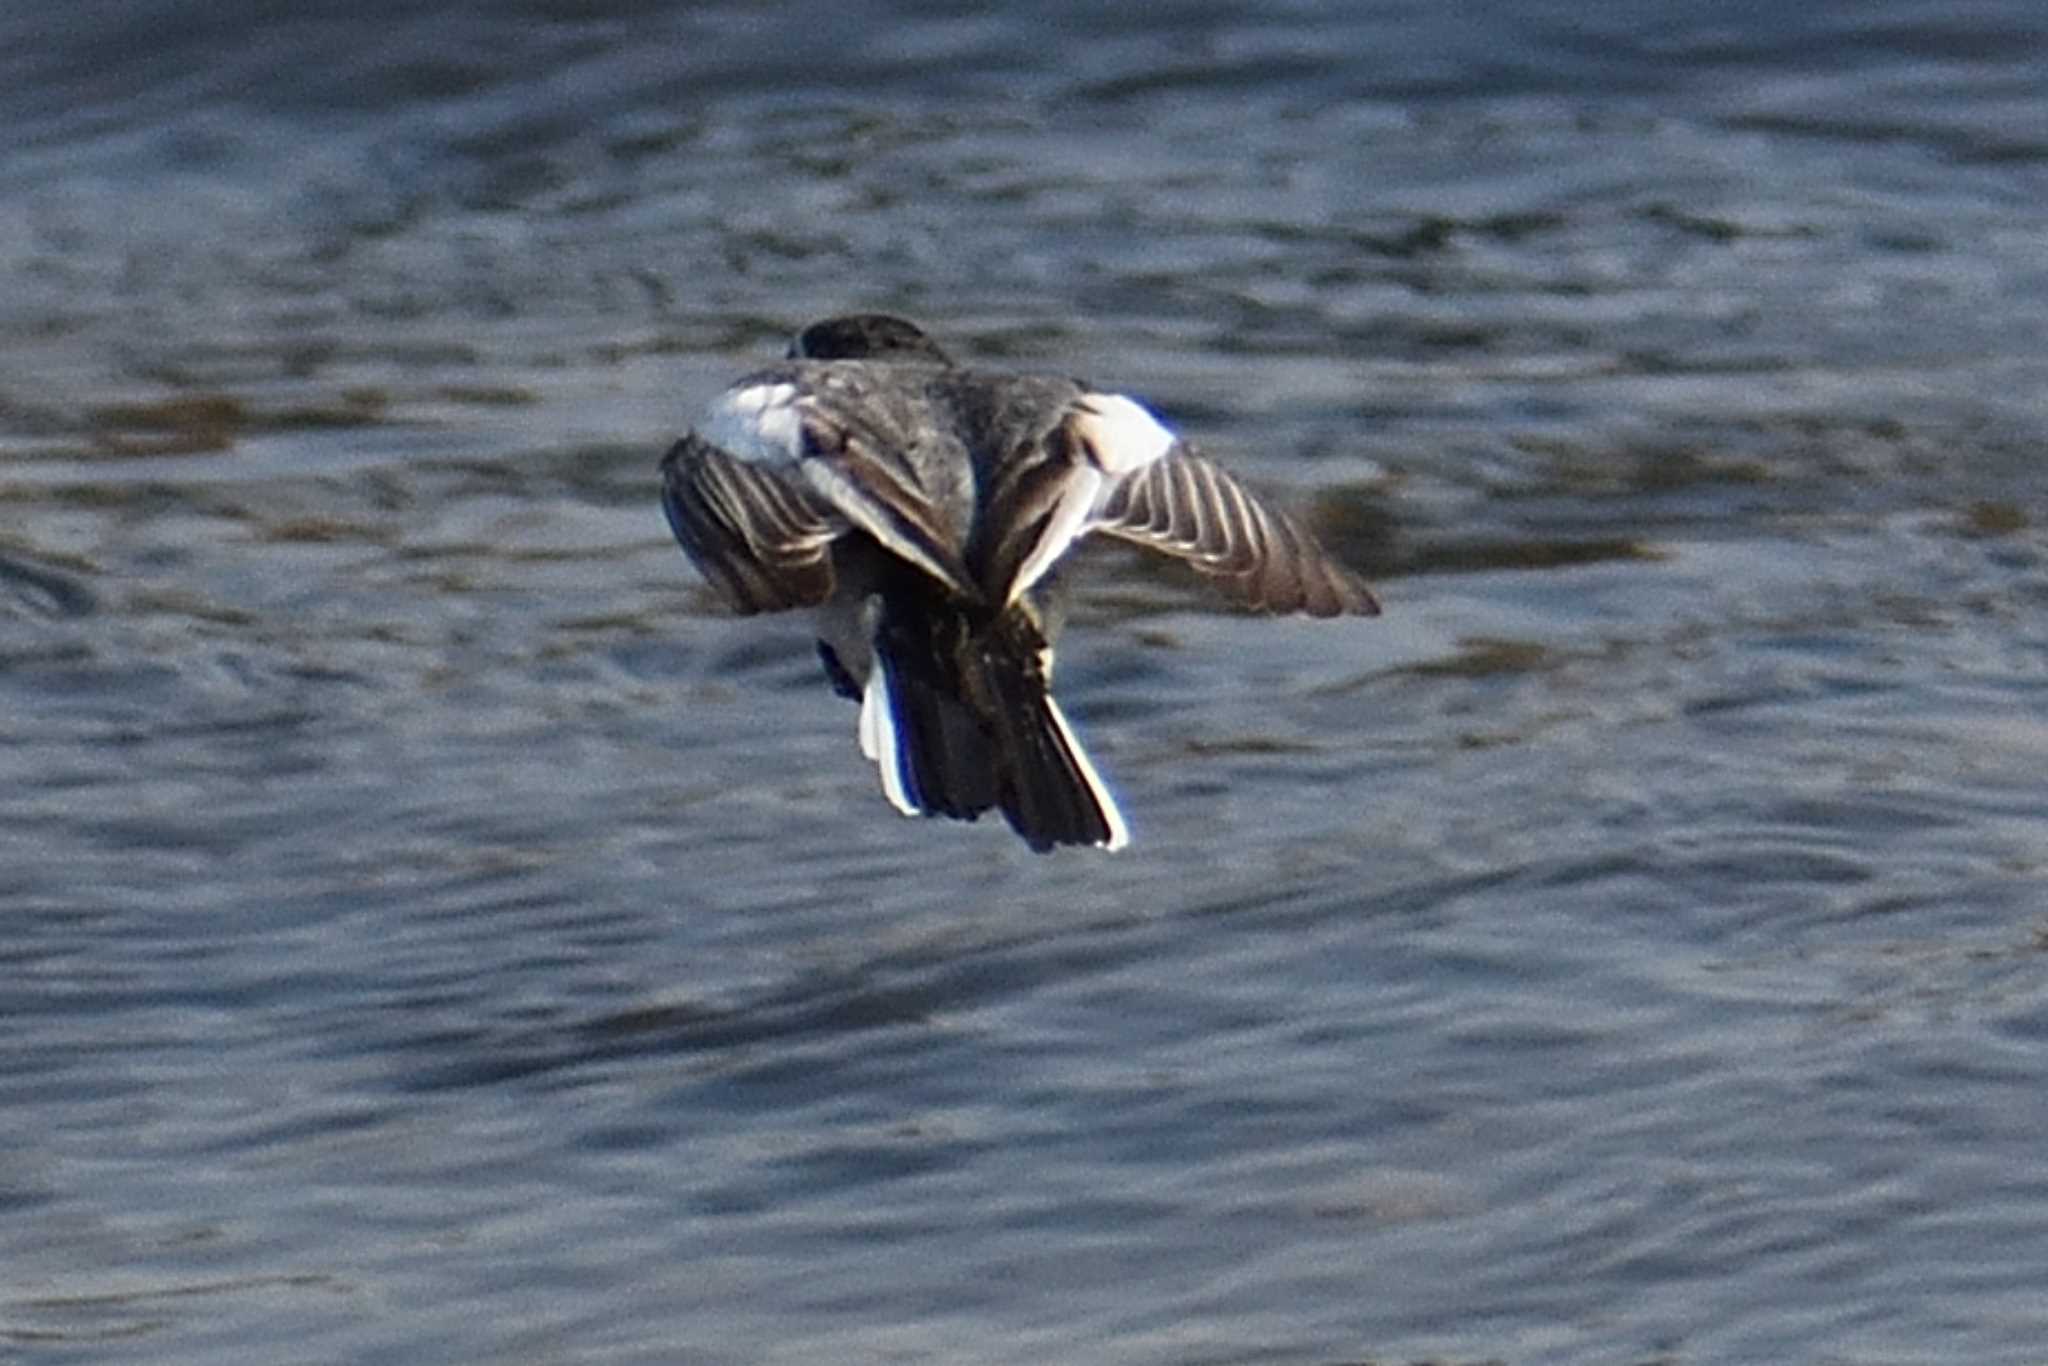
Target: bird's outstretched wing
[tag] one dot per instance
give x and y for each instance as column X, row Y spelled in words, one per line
column 1184, row 506
column 1107, row 464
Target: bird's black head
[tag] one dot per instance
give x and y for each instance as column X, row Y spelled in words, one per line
column 866, row 336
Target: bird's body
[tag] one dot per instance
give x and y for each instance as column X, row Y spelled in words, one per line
column 923, row 507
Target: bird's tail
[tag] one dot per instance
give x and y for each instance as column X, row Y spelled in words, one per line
column 957, row 715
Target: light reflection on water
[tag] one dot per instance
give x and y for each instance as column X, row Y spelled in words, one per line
column 432, row 930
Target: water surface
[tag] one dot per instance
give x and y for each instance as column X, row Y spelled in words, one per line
column 432, row 931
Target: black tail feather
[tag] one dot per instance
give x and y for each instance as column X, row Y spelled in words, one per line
column 977, row 729
column 1047, row 792
column 949, row 761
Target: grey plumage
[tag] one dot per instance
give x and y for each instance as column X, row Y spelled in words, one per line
column 923, row 507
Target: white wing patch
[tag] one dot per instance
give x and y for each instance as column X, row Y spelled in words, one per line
column 1068, row 522
column 1121, row 433
column 758, row 422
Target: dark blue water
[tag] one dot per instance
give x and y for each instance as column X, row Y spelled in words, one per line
column 430, row 931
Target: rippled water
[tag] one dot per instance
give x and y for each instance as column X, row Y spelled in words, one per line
column 431, row 931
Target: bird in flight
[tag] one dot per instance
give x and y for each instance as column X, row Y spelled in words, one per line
column 923, row 508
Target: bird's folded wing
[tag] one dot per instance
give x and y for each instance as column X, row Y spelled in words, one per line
column 870, row 478
column 762, row 538
column 847, row 452
column 1184, row 506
